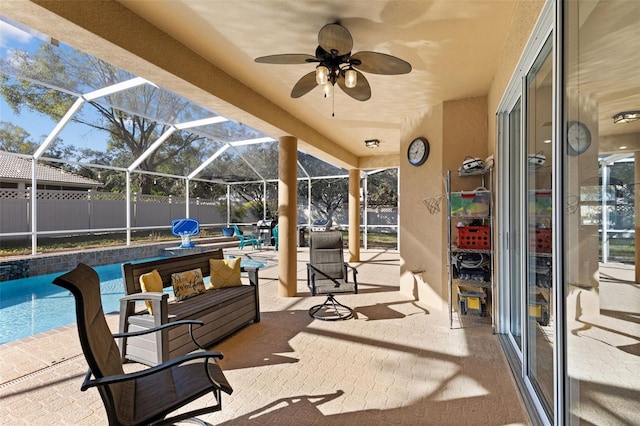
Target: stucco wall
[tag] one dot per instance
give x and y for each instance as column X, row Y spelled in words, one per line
column 455, row 129
column 420, row 232
column 524, row 19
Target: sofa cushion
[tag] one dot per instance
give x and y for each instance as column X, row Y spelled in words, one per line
column 151, row 281
column 187, row 284
column 224, row 273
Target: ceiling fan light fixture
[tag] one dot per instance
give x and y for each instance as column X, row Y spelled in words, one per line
column 372, row 143
column 626, row 116
column 327, row 89
column 335, row 65
column 350, row 78
column 322, row 74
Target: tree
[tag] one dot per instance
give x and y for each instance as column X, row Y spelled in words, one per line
column 328, row 195
column 382, row 189
column 133, row 119
column 263, row 160
column 15, row 139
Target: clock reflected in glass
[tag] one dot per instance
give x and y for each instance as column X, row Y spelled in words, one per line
column 578, row 138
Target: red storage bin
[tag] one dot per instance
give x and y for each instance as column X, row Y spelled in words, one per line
column 540, row 238
column 474, row 237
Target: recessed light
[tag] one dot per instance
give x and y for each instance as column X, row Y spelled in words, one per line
column 547, row 141
column 372, row 143
column 623, row 147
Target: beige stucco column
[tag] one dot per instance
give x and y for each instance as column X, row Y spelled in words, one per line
column 287, row 220
column 354, row 215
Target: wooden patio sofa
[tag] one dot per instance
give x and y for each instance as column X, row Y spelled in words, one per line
column 223, row 311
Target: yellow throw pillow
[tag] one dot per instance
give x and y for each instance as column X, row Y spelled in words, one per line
column 225, row 273
column 187, row 284
column 151, row 281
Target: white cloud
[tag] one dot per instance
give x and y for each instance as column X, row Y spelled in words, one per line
column 10, row 34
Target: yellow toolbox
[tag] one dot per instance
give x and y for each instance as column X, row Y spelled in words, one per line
column 539, row 309
column 472, row 300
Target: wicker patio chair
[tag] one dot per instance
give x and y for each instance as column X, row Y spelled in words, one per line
column 142, row 397
column 327, row 273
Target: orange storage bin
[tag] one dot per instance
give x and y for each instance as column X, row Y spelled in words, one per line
column 540, row 238
column 474, row 237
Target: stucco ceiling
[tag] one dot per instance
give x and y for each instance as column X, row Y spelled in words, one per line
column 453, row 47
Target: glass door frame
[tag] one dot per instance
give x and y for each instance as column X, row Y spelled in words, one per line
column 559, row 197
column 548, row 25
column 505, row 237
column 531, row 354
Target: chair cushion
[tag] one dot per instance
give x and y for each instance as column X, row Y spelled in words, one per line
column 225, row 273
column 187, row 284
column 151, row 281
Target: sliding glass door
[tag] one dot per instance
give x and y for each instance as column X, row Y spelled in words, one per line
column 538, row 228
column 568, row 197
column 525, row 228
column 601, row 176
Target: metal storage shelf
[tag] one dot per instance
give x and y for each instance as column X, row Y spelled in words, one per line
column 472, row 283
column 487, row 220
column 471, row 173
column 455, row 249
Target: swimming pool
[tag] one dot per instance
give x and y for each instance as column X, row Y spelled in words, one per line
column 32, row 305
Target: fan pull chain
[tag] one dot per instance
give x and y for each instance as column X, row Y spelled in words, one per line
column 333, row 105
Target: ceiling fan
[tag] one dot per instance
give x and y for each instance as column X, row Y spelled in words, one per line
column 338, row 65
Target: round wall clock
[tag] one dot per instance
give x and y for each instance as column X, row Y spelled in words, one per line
column 578, row 138
column 418, row 151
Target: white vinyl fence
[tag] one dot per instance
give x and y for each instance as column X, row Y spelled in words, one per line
column 74, row 212
column 91, row 210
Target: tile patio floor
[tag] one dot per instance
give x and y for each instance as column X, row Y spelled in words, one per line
column 397, row 362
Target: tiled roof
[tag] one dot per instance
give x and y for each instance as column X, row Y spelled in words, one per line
column 19, row 169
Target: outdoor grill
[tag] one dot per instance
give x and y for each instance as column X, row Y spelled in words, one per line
column 265, row 231
column 321, row 225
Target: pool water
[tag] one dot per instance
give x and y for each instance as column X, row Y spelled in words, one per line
column 33, row 305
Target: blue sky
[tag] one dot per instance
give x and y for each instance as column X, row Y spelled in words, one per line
column 14, row 38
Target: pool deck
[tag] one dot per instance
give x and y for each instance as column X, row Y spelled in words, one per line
column 396, row 362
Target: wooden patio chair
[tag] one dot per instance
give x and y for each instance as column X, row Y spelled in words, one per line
column 143, row 397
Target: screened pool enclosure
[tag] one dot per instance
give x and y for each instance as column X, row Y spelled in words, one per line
column 89, row 148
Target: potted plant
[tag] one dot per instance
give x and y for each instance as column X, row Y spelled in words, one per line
column 227, row 231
